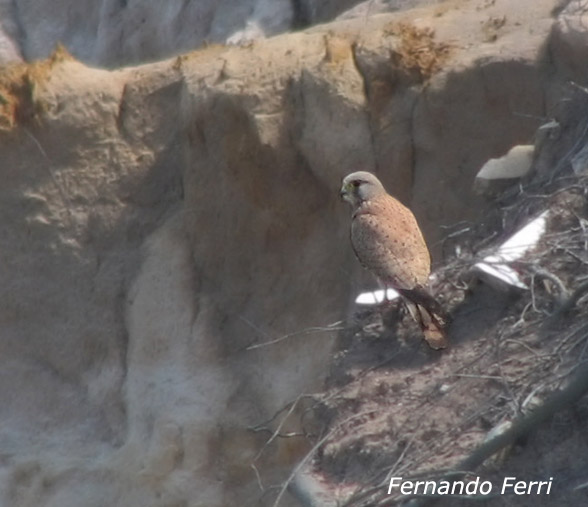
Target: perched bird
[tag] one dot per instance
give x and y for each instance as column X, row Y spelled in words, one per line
column 388, row 242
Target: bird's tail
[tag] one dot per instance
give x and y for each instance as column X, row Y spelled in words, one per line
column 430, row 316
column 432, row 327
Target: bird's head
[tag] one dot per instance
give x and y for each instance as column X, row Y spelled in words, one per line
column 359, row 187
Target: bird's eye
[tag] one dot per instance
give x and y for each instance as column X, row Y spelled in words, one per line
column 355, row 183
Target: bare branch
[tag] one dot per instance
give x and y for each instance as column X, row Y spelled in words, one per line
column 335, row 326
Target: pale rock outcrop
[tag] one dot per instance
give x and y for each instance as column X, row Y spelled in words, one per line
column 371, row 7
column 158, row 221
column 499, row 173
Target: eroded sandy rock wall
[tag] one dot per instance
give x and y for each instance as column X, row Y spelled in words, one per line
column 158, row 220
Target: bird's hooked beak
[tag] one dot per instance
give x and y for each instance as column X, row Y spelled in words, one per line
column 344, row 193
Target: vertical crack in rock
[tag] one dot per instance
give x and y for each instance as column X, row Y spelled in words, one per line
column 120, row 123
column 411, row 133
column 366, row 94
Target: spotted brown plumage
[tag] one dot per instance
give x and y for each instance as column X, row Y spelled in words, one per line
column 388, row 242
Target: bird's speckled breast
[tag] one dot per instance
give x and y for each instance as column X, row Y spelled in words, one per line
column 387, row 241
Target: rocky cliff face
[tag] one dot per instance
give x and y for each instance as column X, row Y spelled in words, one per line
column 112, row 33
column 159, row 221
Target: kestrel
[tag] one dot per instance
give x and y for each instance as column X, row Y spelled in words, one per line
column 388, row 242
